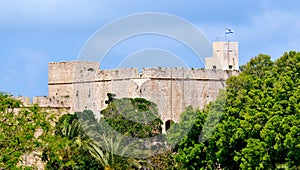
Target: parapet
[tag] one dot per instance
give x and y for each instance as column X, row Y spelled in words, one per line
column 62, row 72
column 46, row 102
column 52, row 102
column 25, row 100
column 120, row 73
column 82, row 71
column 186, row 73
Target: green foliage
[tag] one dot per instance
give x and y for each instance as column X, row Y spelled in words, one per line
column 110, row 151
column 81, row 140
column 18, row 130
column 163, row 161
column 186, row 126
column 260, row 123
column 136, row 117
column 193, row 150
column 111, row 97
column 68, row 148
column 254, row 124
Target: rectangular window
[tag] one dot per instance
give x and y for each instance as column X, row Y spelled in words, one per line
column 214, row 67
column 230, row 67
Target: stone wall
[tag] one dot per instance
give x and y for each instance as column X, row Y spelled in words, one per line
column 225, row 56
column 172, row 89
column 25, row 100
column 80, row 85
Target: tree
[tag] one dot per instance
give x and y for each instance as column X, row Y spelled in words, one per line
column 260, row 124
column 194, row 152
column 105, row 151
column 124, row 119
column 133, row 117
column 18, row 130
column 68, row 147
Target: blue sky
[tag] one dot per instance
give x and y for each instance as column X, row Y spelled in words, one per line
column 35, row 32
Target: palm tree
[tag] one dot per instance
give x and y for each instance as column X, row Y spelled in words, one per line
column 105, row 152
column 67, row 148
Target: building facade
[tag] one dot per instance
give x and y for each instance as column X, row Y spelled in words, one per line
column 81, row 85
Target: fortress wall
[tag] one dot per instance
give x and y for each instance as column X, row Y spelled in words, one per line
column 172, row 97
column 84, row 96
column 60, row 90
column 172, row 89
column 186, row 73
column 159, row 92
column 120, row 73
column 25, row 100
column 73, row 71
column 53, row 102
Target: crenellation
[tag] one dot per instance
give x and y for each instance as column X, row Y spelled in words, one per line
column 81, row 85
column 121, row 73
column 25, row 100
column 172, row 89
column 72, row 71
column 52, row 102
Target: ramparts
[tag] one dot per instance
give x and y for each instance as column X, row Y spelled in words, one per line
column 81, row 85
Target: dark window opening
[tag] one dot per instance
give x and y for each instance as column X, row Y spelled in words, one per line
column 169, row 123
column 230, row 66
column 214, row 67
column 90, row 69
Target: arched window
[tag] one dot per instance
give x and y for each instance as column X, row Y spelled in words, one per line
column 168, row 124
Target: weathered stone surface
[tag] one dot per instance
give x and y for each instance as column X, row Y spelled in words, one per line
column 80, row 85
column 225, row 56
column 172, row 89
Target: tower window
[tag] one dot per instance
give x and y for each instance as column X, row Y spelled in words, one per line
column 214, row 67
column 230, row 67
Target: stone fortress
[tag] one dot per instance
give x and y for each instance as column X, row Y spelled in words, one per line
column 81, row 85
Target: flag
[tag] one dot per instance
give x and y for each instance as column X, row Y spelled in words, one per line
column 228, row 31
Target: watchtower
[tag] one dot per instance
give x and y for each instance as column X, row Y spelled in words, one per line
column 225, row 56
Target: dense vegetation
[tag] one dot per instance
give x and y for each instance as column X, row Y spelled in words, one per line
column 260, row 126
column 19, row 130
column 136, row 117
column 254, row 124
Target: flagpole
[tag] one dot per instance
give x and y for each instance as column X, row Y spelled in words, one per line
column 226, row 35
column 228, row 53
column 228, row 31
